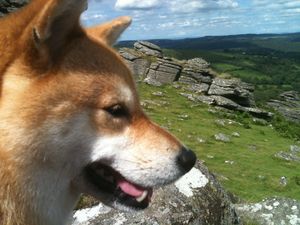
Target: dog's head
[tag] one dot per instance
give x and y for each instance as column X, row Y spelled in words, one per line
column 70, row 110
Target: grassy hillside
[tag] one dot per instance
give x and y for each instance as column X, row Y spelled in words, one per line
column 246, row 165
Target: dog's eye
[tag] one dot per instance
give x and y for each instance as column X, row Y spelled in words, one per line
column 117, row 111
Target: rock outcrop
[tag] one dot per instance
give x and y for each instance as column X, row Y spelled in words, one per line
column 148, row 48
column 233, row 89
column 148, row 63
column 164, row 71
column 288, row 105
column 7, row 6
column 197, row 198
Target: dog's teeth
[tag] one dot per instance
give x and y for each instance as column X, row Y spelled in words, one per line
column 142, row 197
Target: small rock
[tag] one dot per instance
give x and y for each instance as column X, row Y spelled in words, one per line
column 222, row 137
column 235, row 134
column 220, row 122
column 252, row 147
column 294, row 148
column 288, row 156
column 158, row 93
column 283, row 181
column 229, row 162
column 210, row 156
column 184, row 116
column 201, row 140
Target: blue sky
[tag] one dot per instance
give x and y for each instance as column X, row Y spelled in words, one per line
column 153, row 19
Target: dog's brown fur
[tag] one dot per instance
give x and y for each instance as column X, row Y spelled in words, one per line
column 55, row 74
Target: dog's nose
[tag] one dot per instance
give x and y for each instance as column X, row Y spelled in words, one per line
column 186, row 159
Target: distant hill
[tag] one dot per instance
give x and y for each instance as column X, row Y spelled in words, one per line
column 281, row 42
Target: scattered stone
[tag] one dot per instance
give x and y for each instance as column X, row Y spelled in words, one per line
column 222, row 137
column 197, row 198
column 229, row 162
column 288, row 156
column 158, row 94
column 232, row 122
column 261, row 177
column 273, row 211
column 283, row 181
column 236, row 134
column 220, row 122
column 210, row 156
column 295, row 148
column 183, row 116
column 201, row 140
column 252, row 147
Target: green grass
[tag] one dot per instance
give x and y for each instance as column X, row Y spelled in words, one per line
column 254, row 175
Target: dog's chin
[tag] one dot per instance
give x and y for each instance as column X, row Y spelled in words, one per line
column 112, row 189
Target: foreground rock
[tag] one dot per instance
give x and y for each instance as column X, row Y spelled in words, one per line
column 197, row 198
column 275, row 211
column 288, row 105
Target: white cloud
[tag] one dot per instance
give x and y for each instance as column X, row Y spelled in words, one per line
column 201, row 5
column 136, row 4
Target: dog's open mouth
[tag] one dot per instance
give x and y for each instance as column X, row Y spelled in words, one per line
column 107, row 180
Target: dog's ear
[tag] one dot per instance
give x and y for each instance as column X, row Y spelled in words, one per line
column 57, row 22
column 110, row 32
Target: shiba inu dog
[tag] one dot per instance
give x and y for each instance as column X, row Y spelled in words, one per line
column 70, row 119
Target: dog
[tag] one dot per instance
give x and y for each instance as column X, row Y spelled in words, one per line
column 71, row 120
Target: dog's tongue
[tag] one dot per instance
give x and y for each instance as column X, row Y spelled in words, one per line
column 130, row 189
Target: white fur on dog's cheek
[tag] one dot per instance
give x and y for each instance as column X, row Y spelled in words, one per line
column 109, row 147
